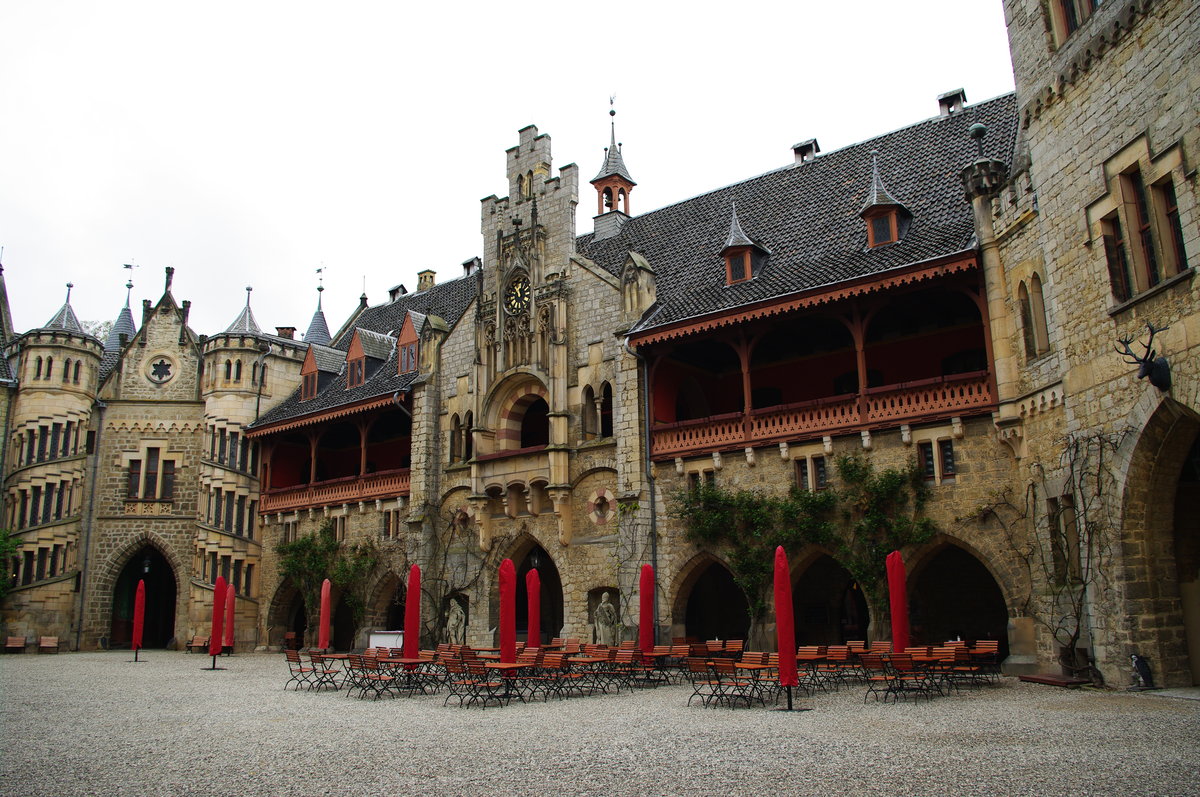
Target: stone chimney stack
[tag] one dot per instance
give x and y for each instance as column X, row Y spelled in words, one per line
column 425, row 279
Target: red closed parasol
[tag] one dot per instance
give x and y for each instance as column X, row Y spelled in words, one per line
column 218, row 614
column 785, row 627
column 412, row 614
column 508, row 611
column 139, row 617
column 323, row 629
column 229, row 607
column 533, row 586
column 898, row 593
column 646, row 610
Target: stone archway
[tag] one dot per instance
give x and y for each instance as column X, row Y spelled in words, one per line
column 286, row 615
column 148, row 565
column 828, row 605
column 709, row 604
column 102, row 592
column 1162, row 572
column 551, row 594
column 952, row 595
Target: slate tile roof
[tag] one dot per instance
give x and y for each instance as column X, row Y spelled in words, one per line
column 381, row 323
column 807, row 216
column 124, row 325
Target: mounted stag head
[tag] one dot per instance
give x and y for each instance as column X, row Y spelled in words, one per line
column 1157, row 369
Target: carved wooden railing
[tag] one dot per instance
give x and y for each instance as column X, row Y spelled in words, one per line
column 924, row 400
column 386, row 484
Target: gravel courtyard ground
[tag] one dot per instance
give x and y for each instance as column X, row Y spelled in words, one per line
column 96, row 723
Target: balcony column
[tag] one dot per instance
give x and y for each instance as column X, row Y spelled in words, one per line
column 743, row 348
column 362, row 449
column 858, row 331
column 312, row 457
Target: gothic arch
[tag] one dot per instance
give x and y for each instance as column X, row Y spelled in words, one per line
column 507, row 405
column 108, row 573
column 954, row 591
column 683, row 581
column 284, row 603
column 917, row 560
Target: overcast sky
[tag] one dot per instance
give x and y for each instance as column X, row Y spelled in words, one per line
column 251, row 143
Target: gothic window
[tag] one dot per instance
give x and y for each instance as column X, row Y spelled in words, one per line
column 75, row 378
column 37, row 374
column 150, row 477
column 606, row 410
column 468, row 438
column 228, row 370
column 262, row 376
column 455, row 439
column 66, row 377
column 237, row 371
column 49, row 367
column 1033, row 318
column 1066, row 16
column 587, row 411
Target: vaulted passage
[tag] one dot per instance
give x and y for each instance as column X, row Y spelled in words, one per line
column 828, row 605
column 953, row 596
column 152, row 567
column 716, row 606
column 552, row 595
column 1187, row 554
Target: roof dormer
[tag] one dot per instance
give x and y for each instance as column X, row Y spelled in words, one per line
column 408, row 343
column 367, row 351
column 321, row 364
column 743, row 257
column 887, row 220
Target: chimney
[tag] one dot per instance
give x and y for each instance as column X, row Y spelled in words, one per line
column 286, row 332
column 806, row 150
column 608, row 224
column 396, row 291
column 425, row 279
column 952, row 102
column 470, row 266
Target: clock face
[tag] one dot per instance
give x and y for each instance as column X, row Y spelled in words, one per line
column 516, row 298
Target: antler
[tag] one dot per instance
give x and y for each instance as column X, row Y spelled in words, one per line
column 1153, row 331
column 1124, row 349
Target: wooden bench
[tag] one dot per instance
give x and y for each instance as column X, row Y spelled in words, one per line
column 15, row 644
column 47, row 644
column 199, row 644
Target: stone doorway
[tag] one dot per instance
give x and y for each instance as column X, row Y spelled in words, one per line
column 828, row 605
column 716, row 606
column 342, row 633
column 953, row 596
column 552, row 595
column 1187, row 553
column 148, row 565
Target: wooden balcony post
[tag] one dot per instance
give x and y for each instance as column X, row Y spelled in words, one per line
column 362, row 448
column 743, row 351
column 312, row 457
column 858, row 331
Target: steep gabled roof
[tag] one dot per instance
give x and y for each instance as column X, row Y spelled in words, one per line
column 377, row 326
column 807, row 216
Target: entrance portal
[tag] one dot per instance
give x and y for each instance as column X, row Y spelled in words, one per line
column 717, row 607
column 953, row 596
column 828, row 605
column 159, row 627
column 1187, row 553
column 552, row 596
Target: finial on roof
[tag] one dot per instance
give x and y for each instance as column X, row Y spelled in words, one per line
column 878, row 194
column 65, row 318
column 128, row 291
column 736, row 236
column 614, row 164
column 978, row 131
column 248, row 290
column 245, row 323
column 70, row 285
column 170, row 278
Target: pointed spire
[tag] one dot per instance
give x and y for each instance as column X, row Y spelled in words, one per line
column 318, row 330
column 123, row 327
column 614, row 164
column 6, row 327
column 878, row 195
column 65, row 318
column 245, row 323
column 736, row 236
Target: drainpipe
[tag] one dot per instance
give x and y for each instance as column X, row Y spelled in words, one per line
column 644, row 370
column 87, row 523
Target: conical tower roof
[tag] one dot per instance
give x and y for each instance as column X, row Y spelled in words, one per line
column 318, row 329
column 65, row 318
column 245, row 323
column 6, row 327
column 736, row 236
column 614, row 164
column 123, row 326
column 878, row 195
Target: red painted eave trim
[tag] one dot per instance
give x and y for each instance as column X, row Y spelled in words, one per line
column 953, row 264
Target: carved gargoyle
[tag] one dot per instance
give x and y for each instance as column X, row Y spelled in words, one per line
column 1156, row 369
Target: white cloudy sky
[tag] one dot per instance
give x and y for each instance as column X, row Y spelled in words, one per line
column 250, row 143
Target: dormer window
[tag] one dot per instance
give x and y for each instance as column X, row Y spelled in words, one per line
column 881, row 229
column 355, row 372
column 309, row 387
column 408, row 358
column 737, row 266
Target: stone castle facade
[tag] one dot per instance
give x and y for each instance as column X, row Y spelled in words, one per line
column 948, row 294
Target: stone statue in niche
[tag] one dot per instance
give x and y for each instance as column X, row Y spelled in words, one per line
column 606, row 621
column 456, row 623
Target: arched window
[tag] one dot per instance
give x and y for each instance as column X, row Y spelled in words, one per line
column 49, row 367
column 587, row 412
column 76, row 377
column 606, row 410
column 262, row 376
column 66, row 370
column 468, row 439
column 37, row 374
column 535, row 425
column 455, row 439
column 237, row 371
column 254, row 374
column 1026, row 321
column 228, row 370
column 1038, row 305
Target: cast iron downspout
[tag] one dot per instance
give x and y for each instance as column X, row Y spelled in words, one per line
column 644, row 368
column 87, row 522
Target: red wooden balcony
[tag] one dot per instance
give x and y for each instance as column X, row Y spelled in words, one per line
column 350, row 490
column 878, row 408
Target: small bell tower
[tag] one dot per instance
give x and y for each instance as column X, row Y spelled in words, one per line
column 613, row 185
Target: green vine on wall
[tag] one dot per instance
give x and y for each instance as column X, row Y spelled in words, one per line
column 311, row 558
column 863, row 519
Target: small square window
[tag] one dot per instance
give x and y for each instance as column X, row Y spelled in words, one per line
column 925, row 460
column 820, row 476
column 802, row 474
column 946, row 459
